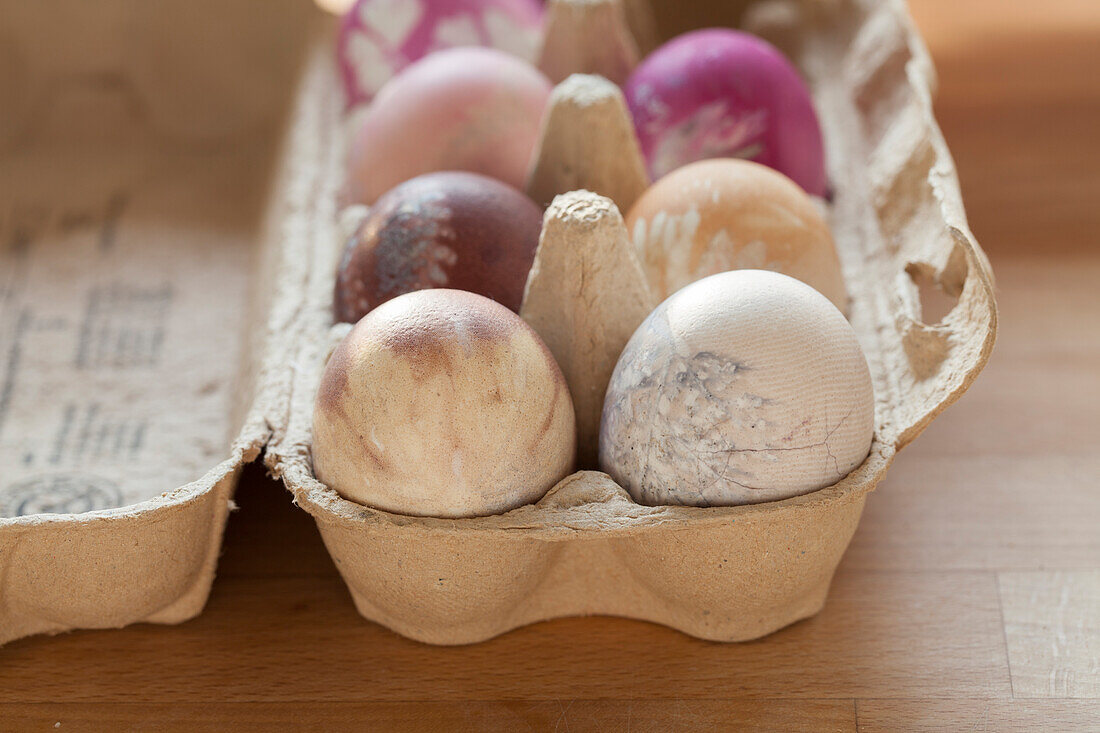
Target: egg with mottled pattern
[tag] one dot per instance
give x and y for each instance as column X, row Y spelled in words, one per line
column 442, row 403
column 728, row 214
column 721, row 93
column 378, row 38
column 743, row 387
column 440, row 230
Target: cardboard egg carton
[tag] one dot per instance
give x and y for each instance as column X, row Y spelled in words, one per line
column 136, row 373
column 720, row 573
column 154, row 340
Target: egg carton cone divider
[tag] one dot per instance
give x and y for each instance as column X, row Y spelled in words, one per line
column 588, row 37
column 719, row 573
column 587, row 142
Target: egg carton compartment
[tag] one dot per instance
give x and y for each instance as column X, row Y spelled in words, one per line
column 719, row 573
column 133, row 293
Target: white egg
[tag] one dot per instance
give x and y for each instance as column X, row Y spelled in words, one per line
column 743, row 387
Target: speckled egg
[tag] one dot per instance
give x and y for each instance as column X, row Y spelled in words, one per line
column 470, row 109
column 440, row 230
column 378, row 38
column 743, row 387
column 719, row 93
column 442, row 403
column 727, row 214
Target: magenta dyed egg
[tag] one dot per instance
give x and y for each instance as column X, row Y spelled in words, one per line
column 466, row 109
column 720, row 93
column 378, row 38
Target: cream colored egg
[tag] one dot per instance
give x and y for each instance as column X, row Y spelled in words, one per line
column 442, row 403
column 742, row 387
column 726, row 214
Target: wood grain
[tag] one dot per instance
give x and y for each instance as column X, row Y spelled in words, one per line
column 970, row 598
column 981, row 513
column 977, row 716
column 1052, row 629
column 763, row 716
column 882, row 634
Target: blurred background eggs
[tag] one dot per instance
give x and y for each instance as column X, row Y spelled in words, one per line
column 378, row 38
column 440, row 230
column 718, row 93
column 470, row 109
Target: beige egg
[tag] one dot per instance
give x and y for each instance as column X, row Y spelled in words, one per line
column 743, row 387
column 442, row 403
column 727, row 214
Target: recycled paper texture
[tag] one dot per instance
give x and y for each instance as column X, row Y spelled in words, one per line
column 135, row 147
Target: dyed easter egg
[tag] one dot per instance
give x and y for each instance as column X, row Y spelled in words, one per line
column 378, row 38
column 720, row 93
column 743, row 387
column 727, row 214
column 440, row 230
column 442, row 403
column 470, row 109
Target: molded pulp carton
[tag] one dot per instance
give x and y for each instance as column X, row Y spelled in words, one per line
column 726, row 574
column 136, row 376
column 160, row 325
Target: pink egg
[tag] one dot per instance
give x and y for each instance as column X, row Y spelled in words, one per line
column 720, row 93
column 378, row 38
column 468, row 109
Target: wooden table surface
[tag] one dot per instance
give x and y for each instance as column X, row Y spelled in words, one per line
column 969, row 599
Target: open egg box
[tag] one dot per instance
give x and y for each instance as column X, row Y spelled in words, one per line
column 136, row 143
column 159, row 328
column 719, row 573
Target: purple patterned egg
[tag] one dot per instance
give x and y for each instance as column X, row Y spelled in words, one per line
column 378, row 38
column 720, row 93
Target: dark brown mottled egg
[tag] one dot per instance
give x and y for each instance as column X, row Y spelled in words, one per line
column 451, row 229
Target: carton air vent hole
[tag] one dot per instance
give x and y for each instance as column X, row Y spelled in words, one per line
column 935, row 304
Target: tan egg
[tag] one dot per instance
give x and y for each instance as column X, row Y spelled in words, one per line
column 728, row 214
column 442, row 403
column 742, row 387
